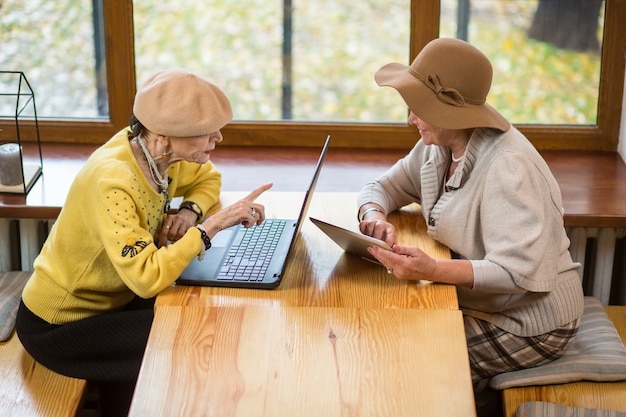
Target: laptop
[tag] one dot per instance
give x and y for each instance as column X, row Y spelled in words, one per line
column 353, row 243
column 253, row 257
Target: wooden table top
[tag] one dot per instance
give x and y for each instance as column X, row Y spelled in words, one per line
column 304, row 361
column 338, row 337
column 319, row 273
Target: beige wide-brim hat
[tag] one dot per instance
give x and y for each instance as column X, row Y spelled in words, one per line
column 178, row 103
column 446, row 85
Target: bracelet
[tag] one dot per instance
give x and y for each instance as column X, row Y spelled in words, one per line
column 206, row 240
column 368, row 210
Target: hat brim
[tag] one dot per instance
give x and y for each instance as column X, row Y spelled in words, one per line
column 424, row 102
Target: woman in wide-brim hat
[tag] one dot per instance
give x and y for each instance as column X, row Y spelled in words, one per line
column 488, row 195
column 87, row 309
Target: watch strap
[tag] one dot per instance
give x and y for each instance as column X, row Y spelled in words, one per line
column 190, row 205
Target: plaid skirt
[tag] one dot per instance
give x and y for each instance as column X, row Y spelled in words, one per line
column 493, row 351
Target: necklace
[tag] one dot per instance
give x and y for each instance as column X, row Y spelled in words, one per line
column 457, row 159
column 161, row 182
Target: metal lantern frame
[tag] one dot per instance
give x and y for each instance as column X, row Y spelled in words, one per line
column 14, row 101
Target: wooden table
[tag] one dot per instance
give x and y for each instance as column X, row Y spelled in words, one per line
column 320, row 274
column 338, row 337
column 304, row 361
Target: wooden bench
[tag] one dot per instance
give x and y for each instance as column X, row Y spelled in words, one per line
column 584, row 394
column 27, row 388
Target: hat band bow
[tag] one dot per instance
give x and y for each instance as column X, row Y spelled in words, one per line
column 444, row 94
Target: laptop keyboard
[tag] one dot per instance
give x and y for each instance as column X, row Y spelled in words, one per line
column 251, row 252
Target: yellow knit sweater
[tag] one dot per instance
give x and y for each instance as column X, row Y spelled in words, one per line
column 101, row 250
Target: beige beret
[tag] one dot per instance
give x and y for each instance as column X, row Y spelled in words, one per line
column 179, row 103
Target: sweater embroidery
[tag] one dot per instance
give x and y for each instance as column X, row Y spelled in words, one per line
column 133, row 246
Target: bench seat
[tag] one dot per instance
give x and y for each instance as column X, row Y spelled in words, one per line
column 27, row 388
column 584, row 394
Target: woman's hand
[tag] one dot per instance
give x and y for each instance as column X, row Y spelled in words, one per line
column 175, row 226
column 406, row 262
column 412, row 263
column 245, row 212
column 380, row 229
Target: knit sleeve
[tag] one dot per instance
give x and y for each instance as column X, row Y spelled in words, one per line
column 492, row 278
column 522, row 224
column 200, row 183
column 399, row 185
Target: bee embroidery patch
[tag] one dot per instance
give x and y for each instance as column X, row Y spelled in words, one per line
column 133, row 246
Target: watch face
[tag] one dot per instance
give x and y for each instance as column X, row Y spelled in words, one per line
column 193, row 207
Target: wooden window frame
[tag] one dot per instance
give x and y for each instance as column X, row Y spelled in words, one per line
column 118, row 26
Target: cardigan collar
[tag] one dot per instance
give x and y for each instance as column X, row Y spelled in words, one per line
column 434, row 170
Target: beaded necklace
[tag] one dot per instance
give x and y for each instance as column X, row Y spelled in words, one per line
column 457, row 159
column 161, row 182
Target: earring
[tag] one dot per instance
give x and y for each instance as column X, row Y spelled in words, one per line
column 165, row 155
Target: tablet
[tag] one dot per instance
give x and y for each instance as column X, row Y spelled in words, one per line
column 352, row 242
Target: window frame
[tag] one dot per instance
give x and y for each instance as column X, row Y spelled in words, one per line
column 425, row 14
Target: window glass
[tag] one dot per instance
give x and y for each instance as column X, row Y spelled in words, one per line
column 310, row 61
column 54, row 44
column 546, row 54
column 281, row 59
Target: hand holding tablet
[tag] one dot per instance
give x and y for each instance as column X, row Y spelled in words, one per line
column 352, row 242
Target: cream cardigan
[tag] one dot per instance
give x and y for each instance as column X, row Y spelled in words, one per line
column 504, row 211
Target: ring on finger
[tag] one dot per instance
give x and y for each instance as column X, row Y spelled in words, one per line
column 253, row 212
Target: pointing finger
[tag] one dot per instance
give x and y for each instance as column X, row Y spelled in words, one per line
column 258, row 191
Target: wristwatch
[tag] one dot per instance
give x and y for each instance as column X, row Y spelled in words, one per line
column 190, row 205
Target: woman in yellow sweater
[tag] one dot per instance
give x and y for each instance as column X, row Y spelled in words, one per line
column 86, row 312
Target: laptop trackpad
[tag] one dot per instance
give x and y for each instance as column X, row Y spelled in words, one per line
column 210, row 266
column 221, row 239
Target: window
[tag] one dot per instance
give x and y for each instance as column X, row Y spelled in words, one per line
column 59, row 59
column 307, row 61
column 544, row 72
column 80, row 72
column 129, row 50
